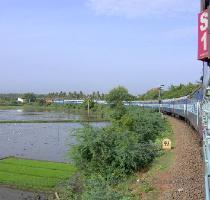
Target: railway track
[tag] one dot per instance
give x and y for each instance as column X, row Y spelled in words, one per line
column 185, row 178
column 195, row 109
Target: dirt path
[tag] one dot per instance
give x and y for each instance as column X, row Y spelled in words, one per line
column 184, row 180
column 13, row 194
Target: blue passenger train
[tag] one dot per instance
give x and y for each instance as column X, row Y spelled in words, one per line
column 194, row 108
column 187, row 107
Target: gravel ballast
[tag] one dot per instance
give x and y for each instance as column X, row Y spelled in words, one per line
column 185, row 178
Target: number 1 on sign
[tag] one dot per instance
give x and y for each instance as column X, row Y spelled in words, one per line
column 204, row 41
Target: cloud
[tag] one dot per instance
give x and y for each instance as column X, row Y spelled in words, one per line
column 144, row 8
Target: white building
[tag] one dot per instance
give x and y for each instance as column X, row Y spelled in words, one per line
column 21, row 100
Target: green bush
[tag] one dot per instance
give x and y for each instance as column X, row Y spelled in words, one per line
column 172, row 92
column 97, row 188
column 122, row 148
column 116, row 151
column 117, row 112
column 72, row 189
column 117, row 95
column 94, row 187
column 146, row 123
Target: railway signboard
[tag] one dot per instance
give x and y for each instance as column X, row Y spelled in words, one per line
column 203, row 46
column 166, row 144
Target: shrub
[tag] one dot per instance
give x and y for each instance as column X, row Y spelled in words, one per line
column 72, row 189
column 146, row 123
column 97, row 188
column 116, row 151
column 120, row 149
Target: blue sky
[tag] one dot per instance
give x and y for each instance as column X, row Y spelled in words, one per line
column 90, row 45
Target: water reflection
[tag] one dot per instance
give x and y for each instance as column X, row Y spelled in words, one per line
column 39, row 141
column 32, row 115
column 42, row 141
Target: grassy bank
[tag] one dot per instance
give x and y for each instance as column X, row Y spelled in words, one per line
column 6, row 107
column 35, row 175
column 142, row 183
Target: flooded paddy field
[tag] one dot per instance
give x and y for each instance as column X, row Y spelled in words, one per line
column 40, row 141
column 37, row 141
column 18, row 115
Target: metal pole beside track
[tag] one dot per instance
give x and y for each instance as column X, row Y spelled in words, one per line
column 159, row 97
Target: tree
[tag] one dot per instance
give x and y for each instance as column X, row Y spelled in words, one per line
column 42, row 102
column 172, row 92
column 115, row 98
column 75, row 95
column 30, row 97
column 81, row 95
column 117, row 95
column 93, row 95
column 98, row 95
column 102, row 96
column 90, row 102
column 151, row 94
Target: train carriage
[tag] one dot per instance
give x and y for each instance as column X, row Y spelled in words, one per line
column 187, row 107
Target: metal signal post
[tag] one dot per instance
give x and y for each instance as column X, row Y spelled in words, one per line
column 204, row 56
column 159, row 97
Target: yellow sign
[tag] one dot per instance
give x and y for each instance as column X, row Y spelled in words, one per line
column 166, row 144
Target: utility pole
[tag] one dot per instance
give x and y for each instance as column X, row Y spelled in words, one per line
column 88, row 107
column 159, row 98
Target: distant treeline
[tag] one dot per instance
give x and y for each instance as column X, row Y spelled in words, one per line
column 60, row 95
column 76, row 95
column 172, row 92
column 10, row 95
column 54, row 95
column 153, row 94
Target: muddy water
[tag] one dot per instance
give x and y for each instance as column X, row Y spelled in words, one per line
column 42, row 141
column 32, row 115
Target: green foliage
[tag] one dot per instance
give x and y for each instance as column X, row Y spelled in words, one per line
column 118, row 111
column 30, row 97
column 8, row 101
column 97, row 188
column 146, row 123
column 109, row 155
column 117, row 95
column 93, row 187
column 42, row 102
column 172, row 92
column 76, row 95
column 180, row 90
column 122, row 148
column 115, row 98
column 90, row 102
column 72, row 189
column 151, row 94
